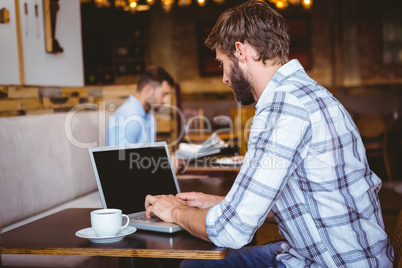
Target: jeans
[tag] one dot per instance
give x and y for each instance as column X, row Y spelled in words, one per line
column 251, row 256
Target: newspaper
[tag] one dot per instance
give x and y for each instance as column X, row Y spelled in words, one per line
column 210, row 146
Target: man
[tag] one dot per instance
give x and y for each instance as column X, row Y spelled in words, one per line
column 133, row 122
column 305, row 163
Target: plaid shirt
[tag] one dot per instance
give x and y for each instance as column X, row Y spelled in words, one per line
column 306, row 162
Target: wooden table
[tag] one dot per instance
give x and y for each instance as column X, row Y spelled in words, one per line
column 55, row 234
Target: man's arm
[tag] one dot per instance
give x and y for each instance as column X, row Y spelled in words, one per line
column 200, row 200
column 193, row 220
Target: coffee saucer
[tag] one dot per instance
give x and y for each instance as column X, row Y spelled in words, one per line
column 90, row 234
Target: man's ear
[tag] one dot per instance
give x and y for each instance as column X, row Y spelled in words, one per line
column 240, row 51
column 148, row 89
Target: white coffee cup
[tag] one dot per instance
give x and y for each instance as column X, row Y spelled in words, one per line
column 108, row 222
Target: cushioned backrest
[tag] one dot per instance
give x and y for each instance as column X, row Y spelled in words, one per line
column 44, row 161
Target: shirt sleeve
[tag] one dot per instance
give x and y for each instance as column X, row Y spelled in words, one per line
column 278, row 142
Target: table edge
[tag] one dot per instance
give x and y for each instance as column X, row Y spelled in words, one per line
column 144, row 253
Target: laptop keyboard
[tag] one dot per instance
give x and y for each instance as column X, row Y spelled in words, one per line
column 144, row 218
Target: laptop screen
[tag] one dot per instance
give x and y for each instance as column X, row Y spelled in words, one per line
column 127, row 176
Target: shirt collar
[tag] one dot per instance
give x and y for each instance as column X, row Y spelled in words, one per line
column 280, row 75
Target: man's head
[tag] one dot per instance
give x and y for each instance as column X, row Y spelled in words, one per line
column 154, row 86
column 257, row 25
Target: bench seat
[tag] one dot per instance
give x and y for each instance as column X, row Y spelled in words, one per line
column 45, row 168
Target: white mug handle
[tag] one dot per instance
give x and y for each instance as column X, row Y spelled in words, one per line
column 128, row 221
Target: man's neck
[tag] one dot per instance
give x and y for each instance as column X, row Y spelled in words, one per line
column 261, row 74
column 142, row 100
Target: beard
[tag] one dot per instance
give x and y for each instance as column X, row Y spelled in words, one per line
column 154, row 107
column 241, row 86
column 151, row 104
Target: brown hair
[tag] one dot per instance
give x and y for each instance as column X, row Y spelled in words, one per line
column 154, row 75
column 256, row 23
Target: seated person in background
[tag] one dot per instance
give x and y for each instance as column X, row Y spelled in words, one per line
column 133, row 122
column 305, row 163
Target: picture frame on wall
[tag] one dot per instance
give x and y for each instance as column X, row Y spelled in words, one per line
column 138, row 51
column 107, row 76
column 137, row 33
column 122, row 51
column 122, row 68
column 138, row 67
column 91, row 77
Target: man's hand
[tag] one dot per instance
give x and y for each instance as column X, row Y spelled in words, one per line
column 178, row 164
column 200, row 200
column 170, row 208
column 163, row 206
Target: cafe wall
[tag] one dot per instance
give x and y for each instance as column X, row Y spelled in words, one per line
column 350, row 47
column 352, row 43
column 24, row 59
column 353, row 49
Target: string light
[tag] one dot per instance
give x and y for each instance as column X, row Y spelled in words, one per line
column 201, row 3
column 283, row 4
column 167, row 5
column 183, row 3
column 141, row 5
column 307, row 3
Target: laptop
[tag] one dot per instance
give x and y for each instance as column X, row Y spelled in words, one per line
column 125, row 176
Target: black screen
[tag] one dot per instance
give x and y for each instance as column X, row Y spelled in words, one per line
column 128, row 175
